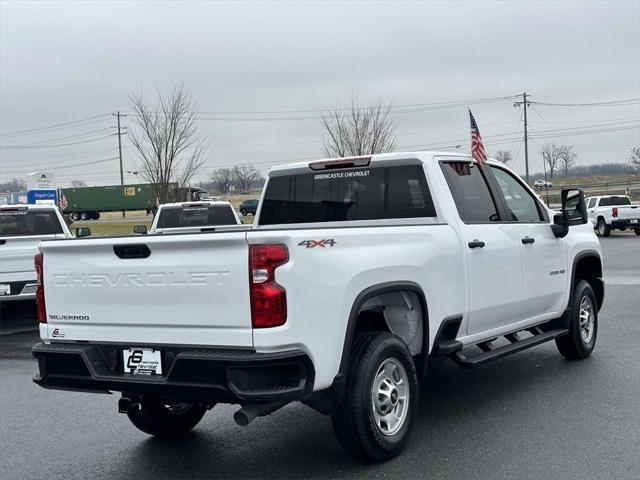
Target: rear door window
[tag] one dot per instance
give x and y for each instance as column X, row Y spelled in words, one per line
column 370, row 193
column 14, row 223
column 592, row 202
column 197, row 216
column 470, row 192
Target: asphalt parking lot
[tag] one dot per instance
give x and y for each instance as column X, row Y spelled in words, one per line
column 532, row 415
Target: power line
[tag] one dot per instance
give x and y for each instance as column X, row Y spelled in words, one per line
column 612, row 103
column 57, row 139
column 54, row 126
column 22, row 147
column 60, row 167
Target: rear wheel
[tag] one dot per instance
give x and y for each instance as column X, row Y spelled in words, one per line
column 603, row 229
column 374, row 419
column 243, row 212
column 84, row 216
column 163, row 418
column 75, row 216
column 583, row 326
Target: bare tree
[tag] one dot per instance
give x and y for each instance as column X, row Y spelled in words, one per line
column 504, row 156
column 222, row 178
column 634, row 160
column 14, row 185
column 567, row 158
column 358, row 130
column 258, row 182
column 170, row 148
column 245, row 175
column 551, row 153
column 78, row 184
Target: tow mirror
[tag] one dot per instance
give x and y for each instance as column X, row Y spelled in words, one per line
column 574, row 212
column 140, row 229
column 560, row 226
column 574, row 207
column 83, row 232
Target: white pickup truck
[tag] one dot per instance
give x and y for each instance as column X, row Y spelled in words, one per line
column 358, row 274
column 22, row 228
column 191, row 217
column 613, row 212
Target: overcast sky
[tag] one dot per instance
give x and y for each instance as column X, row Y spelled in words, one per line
column 67, row 61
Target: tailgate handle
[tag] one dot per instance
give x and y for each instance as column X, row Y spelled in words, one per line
column 138, row 250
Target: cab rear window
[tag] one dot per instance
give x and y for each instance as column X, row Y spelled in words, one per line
column 178, row 217
column 15, row 223
column 613, row 201
column 370, row 193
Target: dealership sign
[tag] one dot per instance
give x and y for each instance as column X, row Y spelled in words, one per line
column 41, row 188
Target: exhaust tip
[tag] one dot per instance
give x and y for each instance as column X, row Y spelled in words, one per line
column 241, row 418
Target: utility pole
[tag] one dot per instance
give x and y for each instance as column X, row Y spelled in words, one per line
column 525, row 104
column 119, row 134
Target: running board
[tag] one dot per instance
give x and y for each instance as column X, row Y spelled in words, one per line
column 517, row 345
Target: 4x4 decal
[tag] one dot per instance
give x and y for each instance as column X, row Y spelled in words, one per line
column 327, row 242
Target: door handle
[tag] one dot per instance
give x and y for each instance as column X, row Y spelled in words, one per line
column 526, row 240
column 476, row 244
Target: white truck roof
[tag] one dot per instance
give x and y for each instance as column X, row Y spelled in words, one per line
column 426, row 155
column 194, row 203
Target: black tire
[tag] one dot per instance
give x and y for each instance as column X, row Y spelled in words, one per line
column 166, row 419
column 75, row 216
column 354, row 421
column 243, row 212
column 604, row 230
column 578, row 343
column 637, row 231
column 85, row 216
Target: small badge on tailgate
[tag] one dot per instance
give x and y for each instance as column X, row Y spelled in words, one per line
column 142, row 361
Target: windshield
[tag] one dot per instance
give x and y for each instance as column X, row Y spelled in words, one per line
column 200, row 216
column 613, row 201
column 14, row 223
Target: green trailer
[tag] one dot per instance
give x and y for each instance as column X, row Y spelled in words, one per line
column 86, row 203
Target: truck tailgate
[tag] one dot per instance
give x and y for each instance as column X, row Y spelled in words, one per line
column 182, row 289
column 16, row 255
column 629, row 212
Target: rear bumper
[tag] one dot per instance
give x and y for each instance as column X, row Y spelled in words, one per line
column 225, row 376
column 22, row 290
column 631, row 223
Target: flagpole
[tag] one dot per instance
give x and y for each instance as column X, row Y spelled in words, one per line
column 470, row 139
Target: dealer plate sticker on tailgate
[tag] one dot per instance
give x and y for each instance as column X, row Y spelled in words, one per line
column 142, row 361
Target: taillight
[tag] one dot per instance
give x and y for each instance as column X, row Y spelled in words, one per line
column 614, row 212
column 42, row 311
column 268, row 299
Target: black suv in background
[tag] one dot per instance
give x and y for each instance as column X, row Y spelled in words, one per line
column 249, row 207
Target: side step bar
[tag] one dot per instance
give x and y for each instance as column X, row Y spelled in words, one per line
column 517, row 345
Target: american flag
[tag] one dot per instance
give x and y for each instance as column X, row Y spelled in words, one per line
column 228, row 197
column 477, row 148
column 62, row 203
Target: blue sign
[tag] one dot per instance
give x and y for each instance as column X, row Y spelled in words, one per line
column 41, row 196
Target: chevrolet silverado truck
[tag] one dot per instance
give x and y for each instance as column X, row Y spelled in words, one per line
column 191, row 217
column 613, row 212
column 358, row 275
column 22, row 228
